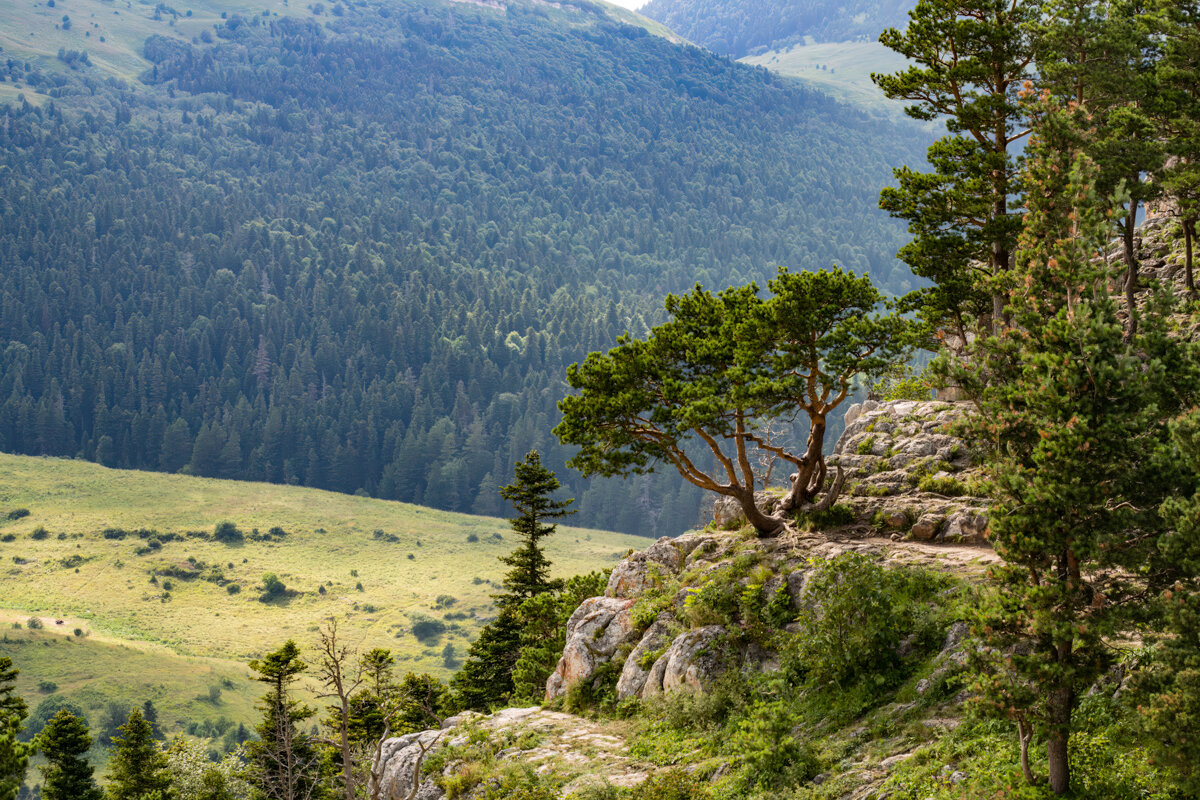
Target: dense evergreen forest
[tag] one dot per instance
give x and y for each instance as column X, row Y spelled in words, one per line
column 745, row 27
column 358, row 252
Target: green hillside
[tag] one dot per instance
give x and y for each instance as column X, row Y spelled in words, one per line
column 750, row 27
column 841, row 69
column 357, row 250
column 171, row 639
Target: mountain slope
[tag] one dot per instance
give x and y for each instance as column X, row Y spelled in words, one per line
column 358, row 251
column 749, row 27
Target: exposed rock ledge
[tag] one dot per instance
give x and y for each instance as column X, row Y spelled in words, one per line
column 583, row 750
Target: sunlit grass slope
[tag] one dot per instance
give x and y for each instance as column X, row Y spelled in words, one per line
column 376, row 566
column 840, row 69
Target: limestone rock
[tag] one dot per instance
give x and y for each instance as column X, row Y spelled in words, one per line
column 689, row 664
column 967, row 527
column 728, row 514
column 401, row 758
column 633, row 674
column 632, row 575
column 594, row 632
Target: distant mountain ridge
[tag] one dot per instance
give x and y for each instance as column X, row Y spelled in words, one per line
column 749, row 27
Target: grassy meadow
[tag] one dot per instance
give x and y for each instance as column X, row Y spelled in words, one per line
column 840, row 69
column 159, row 612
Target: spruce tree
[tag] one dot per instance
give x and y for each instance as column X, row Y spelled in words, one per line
column 485, row 678
column 530, row 494
column 67, row 774
column 284, row 761
column 138, row 767
column 14, row 754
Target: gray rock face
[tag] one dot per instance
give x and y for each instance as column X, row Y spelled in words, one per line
column 632, row 575
column 690, row 663
column 886, row 450
column 401, row 759
column 594, row 632
column 633, row 675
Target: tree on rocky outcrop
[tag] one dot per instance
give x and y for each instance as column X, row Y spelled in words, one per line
column 1063, row 394
column 701, row 387
column 67, row 775
column 530, row 495
column 138, row 767
column 285, row 763
column 969, row 61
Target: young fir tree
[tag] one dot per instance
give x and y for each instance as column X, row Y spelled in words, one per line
column 530, row 495
column 284, row 761
column 138, row 767
column 14, row 754
column 486, row 675
column 1077, row 419
column 67, row 775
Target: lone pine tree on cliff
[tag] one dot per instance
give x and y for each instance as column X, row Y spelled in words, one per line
column 486, row 676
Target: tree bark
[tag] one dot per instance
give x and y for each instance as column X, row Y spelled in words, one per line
column 1025, row 734
column 1189, row 235
column 1131, row 271
column 1059, row 765
column 765, row 524
column 810, row 476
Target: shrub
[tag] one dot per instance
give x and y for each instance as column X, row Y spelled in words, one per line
column 18, row 513
column 39, row 533
column 228, row 533
column 865, row 446
column 947, row 485
column 277, row 532
column 273, row 588
column 8, row 537
column 47, row 687
column 472, row 538
column 233, row 588
column 425, row 628
column 33, row 623
column 79, row 633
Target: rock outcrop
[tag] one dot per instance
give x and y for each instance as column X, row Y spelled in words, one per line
column 580, row 750
column 908, row 474
column 594, row 632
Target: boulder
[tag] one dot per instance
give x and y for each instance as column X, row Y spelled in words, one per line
column 927, row 527
column 689, row 664
column 594, row 632
column 728, row 514
column 633, row 674
column 967, row 527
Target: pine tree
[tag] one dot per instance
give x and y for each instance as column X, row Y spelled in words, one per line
column 970, row 59
column 67, row 775
column 138, row 766
column 284, row 761
column 1067, row 397
column 530, row 494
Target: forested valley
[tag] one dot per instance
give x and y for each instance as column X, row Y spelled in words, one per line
column 358, row 252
